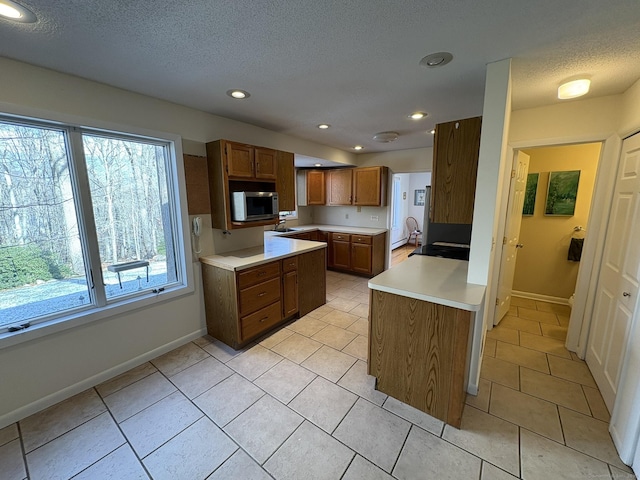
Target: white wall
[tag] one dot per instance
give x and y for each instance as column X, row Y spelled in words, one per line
column 417, row 181
column 399, row 161
column 492, row 164
column 41, row 372
column 338, row 216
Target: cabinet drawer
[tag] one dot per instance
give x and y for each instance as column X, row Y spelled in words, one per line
column 258, row 296
column 289, row 264
column 343, row 237
column 361, row 239
column 260, row 321
column 251, row 276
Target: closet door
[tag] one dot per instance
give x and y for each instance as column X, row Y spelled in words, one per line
column 614, row 337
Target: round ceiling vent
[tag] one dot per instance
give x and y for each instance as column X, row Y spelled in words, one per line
column 386, row 137
column 436, row 59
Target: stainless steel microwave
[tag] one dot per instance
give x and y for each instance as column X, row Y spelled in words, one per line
column 254, row 206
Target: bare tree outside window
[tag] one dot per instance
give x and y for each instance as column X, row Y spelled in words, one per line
column 44, row 264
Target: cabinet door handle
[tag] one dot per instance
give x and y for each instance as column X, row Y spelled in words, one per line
column 262, row 294
column 263, row 319
column 260, row 274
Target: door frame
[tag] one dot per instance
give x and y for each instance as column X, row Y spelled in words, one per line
column 589, row 269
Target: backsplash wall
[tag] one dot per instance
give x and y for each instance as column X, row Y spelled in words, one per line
column 349, row 216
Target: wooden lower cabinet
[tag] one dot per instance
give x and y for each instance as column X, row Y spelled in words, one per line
column 418, row 353
column 245, row 304
column 340, row 251
column 363, row 254
column 289, row 286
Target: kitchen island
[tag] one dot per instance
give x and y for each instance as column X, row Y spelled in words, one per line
column 251, row 291
column 423, row 334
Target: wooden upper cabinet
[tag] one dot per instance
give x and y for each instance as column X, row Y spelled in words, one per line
column 316, row 194
column 370, row 186
column 285, row 181
column 339, row 185
column 455, row 167
column 265, row 163
column 235, row 167
column 239, row 160
column 246, row 162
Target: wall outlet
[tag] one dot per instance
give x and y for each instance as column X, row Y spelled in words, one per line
column 375, row 218
column 346, row 215
column 358, row 209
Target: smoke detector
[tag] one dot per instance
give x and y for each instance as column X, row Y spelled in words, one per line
column 386, row 137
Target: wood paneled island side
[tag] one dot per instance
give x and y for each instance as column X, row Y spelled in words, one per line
column 421, row 324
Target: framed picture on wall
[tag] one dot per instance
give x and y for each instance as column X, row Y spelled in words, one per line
column 418, row 198
column 530, row 194
column 562, row 193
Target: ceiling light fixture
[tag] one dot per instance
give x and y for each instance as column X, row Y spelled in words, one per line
column 16, row 12
column 323, row 126
column 386, row 137
column 358, row 147
column 239, row 94
column 439, row 59
column 574, row 88
column 417, row 115
column 317, row 164
column 433, row 132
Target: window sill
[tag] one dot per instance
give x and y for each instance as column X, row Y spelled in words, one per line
column 84, row 317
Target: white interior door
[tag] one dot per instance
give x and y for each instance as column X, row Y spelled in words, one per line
column 399, row 207
column 510, row 244
column 617, row 290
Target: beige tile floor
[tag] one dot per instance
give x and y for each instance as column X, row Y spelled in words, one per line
column 299, row 404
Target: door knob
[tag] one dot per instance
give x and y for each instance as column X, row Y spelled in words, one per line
column 519, row 245
column 626, row 294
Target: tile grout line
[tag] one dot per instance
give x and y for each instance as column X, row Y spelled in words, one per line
column 22, row 450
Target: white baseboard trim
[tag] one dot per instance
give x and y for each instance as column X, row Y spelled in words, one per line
column 542, row 298
column 399, row 243
column 60, row 395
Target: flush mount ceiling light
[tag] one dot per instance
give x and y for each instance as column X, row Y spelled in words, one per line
column 386, row 137
column 239, row 94
column 358, row 147
column 16, row 12
column 574, row 88
column 417, row 115
column 317, row 164
column 439, row 59
column 323, row 126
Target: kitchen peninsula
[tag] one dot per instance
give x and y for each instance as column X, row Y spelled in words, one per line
column 422, row 333
column 248, row 292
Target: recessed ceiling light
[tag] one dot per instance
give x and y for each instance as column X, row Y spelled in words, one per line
column 323, row 126
column 439, row 59
column 386, row 137
column 239, row 94
column 317, row 164
column 573, row 89
column 16, row 12
column 433, row 132
column 358, row 147
column 417, row 115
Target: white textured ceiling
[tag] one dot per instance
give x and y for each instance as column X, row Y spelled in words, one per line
column 350, row 63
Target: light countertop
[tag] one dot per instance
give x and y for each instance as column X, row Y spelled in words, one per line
column 274, row 248
column 330, row 228
column 432, row 279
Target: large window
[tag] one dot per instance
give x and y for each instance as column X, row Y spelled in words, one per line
column 87, row 219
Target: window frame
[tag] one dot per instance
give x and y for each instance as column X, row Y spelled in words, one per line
column 100, row 307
